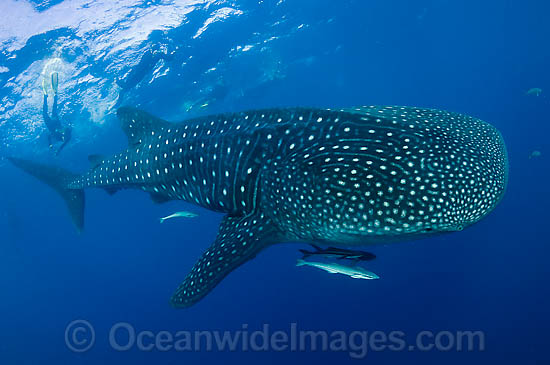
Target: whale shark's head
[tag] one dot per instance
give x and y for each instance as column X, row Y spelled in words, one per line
column 387, row 174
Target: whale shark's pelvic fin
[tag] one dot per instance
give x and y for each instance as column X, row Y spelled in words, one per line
column 159, row 198
column 58, row 179
column 138, row 125
column 239, row 240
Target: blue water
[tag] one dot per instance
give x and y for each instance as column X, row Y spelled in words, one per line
column 474, row 57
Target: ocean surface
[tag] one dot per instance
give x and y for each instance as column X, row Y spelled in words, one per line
column 491, row 280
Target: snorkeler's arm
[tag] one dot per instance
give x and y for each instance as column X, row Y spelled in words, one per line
column 67, row 134
column 61, row 147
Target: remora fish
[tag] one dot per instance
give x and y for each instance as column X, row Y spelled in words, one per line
column 356, row 272
column 339, row 177
column 179, row 215
column 339, row 253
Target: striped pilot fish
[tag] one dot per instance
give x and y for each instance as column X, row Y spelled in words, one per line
column 339, row 177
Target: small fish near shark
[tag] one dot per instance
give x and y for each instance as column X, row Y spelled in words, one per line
column 535, row 91
column 182, row 214
column 339, row 253
column 339, row 177
column 354, row 272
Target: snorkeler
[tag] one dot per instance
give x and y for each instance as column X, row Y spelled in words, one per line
column 58, row 133
column 146, row 64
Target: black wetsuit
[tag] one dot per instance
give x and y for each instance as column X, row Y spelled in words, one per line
column 57, row 132
column 147, row 62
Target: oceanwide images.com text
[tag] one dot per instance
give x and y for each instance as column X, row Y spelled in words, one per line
column 80, row 336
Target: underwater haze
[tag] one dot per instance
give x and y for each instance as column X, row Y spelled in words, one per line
column 476, row 295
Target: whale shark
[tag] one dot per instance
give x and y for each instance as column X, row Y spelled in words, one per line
column 339, row 177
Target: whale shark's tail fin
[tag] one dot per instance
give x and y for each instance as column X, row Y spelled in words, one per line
column 58, row 179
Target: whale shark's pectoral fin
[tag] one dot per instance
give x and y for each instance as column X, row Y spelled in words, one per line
column 239, row 240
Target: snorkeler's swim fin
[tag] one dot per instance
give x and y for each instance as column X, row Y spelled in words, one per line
column 55, row 81
column 44, row 87
column 58, row 179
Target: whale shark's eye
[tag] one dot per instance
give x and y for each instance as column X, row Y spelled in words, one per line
column 429, row 229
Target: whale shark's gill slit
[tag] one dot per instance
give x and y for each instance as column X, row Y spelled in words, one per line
column 201, row 195
column 219, row 179
column 207, row 168
column 253, row 173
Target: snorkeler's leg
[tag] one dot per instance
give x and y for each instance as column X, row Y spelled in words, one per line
column 54, row 109
column 45, row 109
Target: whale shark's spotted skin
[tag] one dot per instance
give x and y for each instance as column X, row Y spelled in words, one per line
column 343, row 176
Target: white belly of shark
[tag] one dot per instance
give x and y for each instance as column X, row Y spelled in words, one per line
column 337, row 176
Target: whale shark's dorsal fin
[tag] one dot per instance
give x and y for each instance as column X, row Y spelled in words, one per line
column 139, row 125
column 239, row 240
